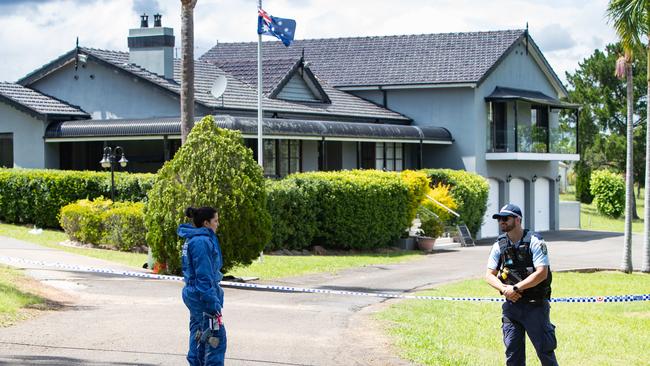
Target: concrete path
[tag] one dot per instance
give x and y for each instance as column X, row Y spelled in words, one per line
column 127, row 321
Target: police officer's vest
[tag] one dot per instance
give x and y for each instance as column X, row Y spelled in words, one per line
column 519, row 259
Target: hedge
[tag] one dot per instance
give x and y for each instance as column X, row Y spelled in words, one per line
column 608, row 189
column 33, row 196
column 469, row 190
column 294, row 213
column 119, row 225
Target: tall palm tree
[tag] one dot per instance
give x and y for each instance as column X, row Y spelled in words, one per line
column 624, row 71
column 631, row 19
column 187, row 67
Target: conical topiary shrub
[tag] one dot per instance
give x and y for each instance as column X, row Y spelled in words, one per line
column 213, row 168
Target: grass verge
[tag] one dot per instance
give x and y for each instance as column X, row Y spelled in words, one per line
column 14, row 299
column 288, row 266
column 590, row 219
column 469, row 333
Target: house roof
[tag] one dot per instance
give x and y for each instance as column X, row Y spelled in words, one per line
column 287, row 128
column 239, row 95
column 37, row 104
column 532, row 96
column 388, row 60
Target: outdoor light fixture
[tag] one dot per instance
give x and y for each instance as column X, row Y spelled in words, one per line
column 534, row 178
column 558, row 178
column 83, row 58
column 509, row 178
column 109, row 159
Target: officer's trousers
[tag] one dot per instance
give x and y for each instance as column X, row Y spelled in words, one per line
column 520, row 318
column 202, row 353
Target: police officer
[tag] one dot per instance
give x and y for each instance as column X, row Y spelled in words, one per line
column 202, row 293
column 518, row 268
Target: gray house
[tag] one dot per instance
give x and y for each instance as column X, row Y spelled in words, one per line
column 494, row 91
column 389, row 103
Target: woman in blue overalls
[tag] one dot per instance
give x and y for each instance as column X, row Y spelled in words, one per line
column 202, row 294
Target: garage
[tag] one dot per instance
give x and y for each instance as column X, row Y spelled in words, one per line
column 542, row 204
column 518, row 197
column 490, row 226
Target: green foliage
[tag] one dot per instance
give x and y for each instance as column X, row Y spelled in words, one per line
column 430, row 226
column 294, row 214
column 417, row 183
column 123, row 226
column 583, row 183
column 608, row 189
column 119, row 225
column 470, row 192
column 213, row 168
column 357, row 209
column 32, row 196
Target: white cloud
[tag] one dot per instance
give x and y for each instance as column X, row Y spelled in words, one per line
column 567, row 31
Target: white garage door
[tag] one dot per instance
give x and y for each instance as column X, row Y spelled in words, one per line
column 490, row 226
column 518, row 196
column 542, row 205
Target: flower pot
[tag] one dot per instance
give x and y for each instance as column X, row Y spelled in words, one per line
column 426, row 243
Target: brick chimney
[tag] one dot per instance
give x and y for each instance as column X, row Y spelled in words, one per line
column 152, row 48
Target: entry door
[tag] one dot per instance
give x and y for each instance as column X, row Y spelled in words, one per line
column 518, row 197
column 542, row 205
column 490, row 227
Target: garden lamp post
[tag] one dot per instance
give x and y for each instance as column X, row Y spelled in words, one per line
column 109, row 159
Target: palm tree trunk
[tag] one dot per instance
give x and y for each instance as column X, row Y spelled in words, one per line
column 635, row 215
column 626, row 264
column 646, row 200
column 187, row 67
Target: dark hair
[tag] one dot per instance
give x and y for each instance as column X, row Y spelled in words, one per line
column 200, row 215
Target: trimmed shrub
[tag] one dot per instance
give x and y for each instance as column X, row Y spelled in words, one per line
column 123, row 226
column 469, row 190
column 417, row 183
column 82, row 221
column 294, row 211
column 442, row 194
column 358, row 209
column 608, row 190
column 213, row 168
column 583, row 180
column 33, row 196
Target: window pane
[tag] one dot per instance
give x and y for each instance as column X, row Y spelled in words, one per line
column 379, row 152
column 390, row 165
column 398, row 151
column 390, row 151
column 7, row 150
column 379, row 164
column 284, row 167
column 284, row 149
column 399, row 165
column 295, row 149
column 269, row 157
column 295, row 165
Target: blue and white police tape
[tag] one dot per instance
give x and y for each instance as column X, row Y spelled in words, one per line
column 279, row 288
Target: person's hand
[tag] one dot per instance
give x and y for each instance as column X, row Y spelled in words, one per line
column 510, row 293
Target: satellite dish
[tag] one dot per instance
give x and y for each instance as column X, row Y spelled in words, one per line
column 219, row 86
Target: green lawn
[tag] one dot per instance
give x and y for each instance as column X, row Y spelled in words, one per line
column 13, row 299
column 286, row 266
column 270, row 268
column 469, row 333
column 52, row 238
column 590, row 219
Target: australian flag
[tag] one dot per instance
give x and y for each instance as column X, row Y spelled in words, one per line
column 283, row 29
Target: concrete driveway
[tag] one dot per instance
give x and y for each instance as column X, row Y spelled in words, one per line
column 114, row 320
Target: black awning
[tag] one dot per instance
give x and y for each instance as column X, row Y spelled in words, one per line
column 288, row 128
column 531, row 96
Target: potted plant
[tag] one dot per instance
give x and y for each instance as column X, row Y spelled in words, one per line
column 430, row 229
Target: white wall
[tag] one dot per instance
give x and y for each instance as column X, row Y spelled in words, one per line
column 29, row 146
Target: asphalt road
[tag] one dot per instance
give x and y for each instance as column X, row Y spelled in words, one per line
column 112, row 320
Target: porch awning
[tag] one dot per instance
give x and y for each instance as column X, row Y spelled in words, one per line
column 159, row 128
column 531, row 96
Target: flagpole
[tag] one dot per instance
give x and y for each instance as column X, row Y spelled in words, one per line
column 260, row 113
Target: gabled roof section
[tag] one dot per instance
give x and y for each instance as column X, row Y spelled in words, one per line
column 388, row 60
column 239, row 95
column 37, row 104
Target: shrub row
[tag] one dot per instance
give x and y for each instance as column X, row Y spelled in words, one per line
column 608, row 189
column 32, row 196
column 357, row 209
column 119, row 225
column 470, row 192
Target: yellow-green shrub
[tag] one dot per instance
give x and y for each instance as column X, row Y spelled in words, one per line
column 442, row 194
column 82, row 221
column 123, row 226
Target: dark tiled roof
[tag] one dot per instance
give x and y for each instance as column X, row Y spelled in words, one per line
column 242, row 96
column 248, row 126
column 273, row 72
column 388, row 60
column 36, row 102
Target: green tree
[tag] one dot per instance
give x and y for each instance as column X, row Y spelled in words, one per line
column 213, row 168
column 631, row 19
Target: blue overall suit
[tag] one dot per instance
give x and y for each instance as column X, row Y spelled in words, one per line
column 202, row 294
column 531, row 313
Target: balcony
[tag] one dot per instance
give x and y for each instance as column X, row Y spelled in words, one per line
column 529, row 125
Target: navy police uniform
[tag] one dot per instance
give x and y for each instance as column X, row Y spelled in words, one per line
column 203, row 295
column 530, row 314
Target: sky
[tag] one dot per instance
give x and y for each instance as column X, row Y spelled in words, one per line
column 35, row 32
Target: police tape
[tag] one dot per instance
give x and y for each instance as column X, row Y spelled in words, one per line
column 279, row 288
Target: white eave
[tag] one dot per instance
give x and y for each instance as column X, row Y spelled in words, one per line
column 523, row 156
